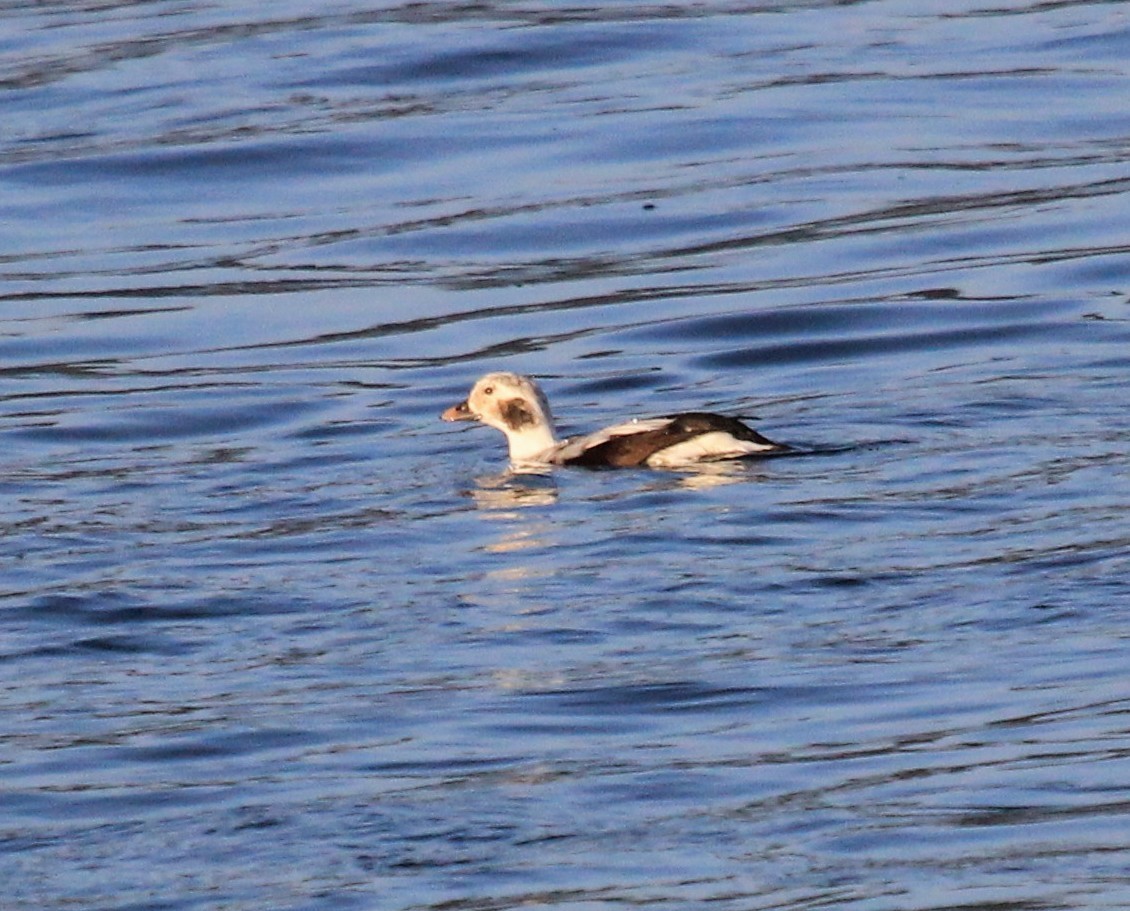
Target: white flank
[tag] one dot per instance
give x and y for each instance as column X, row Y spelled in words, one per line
column 705, row 448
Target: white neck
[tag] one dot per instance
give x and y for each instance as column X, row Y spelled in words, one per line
column 530, row 442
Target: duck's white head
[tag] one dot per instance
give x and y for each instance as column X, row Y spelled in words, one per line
column 515, row 405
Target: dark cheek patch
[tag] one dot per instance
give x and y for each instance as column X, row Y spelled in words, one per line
column 517, row 414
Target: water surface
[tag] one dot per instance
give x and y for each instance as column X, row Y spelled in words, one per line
column 276, row 637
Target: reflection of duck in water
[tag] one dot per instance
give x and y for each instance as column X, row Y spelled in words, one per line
column 504, row 493
column 516, row 405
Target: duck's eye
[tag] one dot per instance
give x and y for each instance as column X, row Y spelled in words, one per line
column 489, row 390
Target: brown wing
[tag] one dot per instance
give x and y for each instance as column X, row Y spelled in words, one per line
column 628, row 450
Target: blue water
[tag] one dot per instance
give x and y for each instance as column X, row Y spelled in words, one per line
column 274, row 636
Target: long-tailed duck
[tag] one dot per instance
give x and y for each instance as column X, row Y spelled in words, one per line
column 516, row 405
